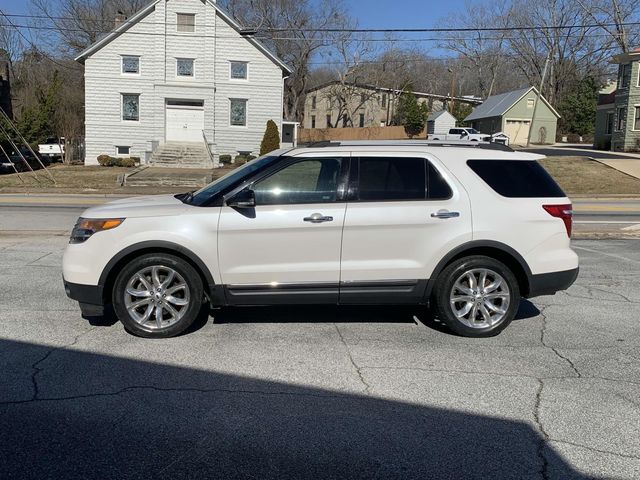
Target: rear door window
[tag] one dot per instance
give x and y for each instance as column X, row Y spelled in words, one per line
column 517, row 178
column 382, row 179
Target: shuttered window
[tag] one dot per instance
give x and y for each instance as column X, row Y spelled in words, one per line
column 186, row 22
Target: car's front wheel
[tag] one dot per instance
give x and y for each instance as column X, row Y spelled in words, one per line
column 157, row 295
column 477, row 296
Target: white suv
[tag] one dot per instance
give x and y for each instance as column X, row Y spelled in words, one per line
column 468, row 229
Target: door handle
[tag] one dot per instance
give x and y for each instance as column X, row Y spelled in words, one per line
column 318, row 218
column 445, row 214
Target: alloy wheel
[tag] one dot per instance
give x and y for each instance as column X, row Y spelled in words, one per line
column 480, row 298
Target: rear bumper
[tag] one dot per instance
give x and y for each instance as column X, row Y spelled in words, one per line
column 550, row 283
column 90, row 298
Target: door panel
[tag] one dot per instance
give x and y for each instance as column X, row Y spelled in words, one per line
column 290, row 249
column 390, row 241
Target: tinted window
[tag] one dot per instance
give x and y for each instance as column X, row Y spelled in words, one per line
column 437, row 187
column 392, row 179
column 516, row 178
column 308, row 181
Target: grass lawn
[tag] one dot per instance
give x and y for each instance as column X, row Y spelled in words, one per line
column 80, row 179
column 576, row 176
column 582, row 176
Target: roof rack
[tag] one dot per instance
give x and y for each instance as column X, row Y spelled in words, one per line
column 412, row 143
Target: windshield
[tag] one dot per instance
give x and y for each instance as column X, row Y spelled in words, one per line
column 223, row 183
column 472, row 130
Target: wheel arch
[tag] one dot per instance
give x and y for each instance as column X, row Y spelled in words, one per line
column 115, row 265
column 499, row 251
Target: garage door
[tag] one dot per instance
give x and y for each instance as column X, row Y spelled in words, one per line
column 518, row 131
column 185, row 120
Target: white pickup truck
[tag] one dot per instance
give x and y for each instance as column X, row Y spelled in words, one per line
column 462, row 133
column 52, row 148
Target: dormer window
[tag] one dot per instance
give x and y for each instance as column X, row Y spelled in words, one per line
column 238, row 70
column 130, row 65
column 186, row 22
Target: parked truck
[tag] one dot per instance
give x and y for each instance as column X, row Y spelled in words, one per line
column 52, row 148
column 462, row 133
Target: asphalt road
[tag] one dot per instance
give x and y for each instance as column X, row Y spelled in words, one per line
column 320, row 392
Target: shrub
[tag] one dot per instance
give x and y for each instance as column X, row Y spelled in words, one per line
column 126, row 162
column 251, row 157
column 239, row 159
column 225, row 159
column 106, row 160
column 271, row 139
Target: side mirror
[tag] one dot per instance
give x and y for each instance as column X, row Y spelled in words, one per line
column 464, row 134
column 243, row 199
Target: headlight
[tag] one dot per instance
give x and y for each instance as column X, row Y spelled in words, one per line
column 85, row 227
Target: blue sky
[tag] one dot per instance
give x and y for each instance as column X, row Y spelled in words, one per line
column 370, row 13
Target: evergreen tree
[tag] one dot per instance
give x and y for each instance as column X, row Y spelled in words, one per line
column 411, row 114
column 37, row 123
column 271, row 139
column 578, row 109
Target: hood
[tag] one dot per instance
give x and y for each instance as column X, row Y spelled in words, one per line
column 146, row 206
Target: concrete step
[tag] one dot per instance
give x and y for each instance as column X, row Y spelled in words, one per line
column 182, row 155
column 170, row 177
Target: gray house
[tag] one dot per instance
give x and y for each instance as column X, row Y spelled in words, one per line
column 512, row 113
column 618, row 111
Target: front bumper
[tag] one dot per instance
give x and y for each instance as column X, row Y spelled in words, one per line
column 90, row 297
column 550, row 283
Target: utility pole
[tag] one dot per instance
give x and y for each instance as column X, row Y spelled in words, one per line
column 535, row 107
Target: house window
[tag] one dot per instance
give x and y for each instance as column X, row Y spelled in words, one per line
column 624, row 75
column 131, row 64
column 622, row 113
column 184, row 67
column 384, row 100
column 361, row 123
column 238, row 112
column 313, row 121
column 313, row 102
column 186, row 22
column 636, row 118
column 530, row 102
column 123, row 150
column 328, row 120
column 609, row 125
column 130, row 107
column 238, row 70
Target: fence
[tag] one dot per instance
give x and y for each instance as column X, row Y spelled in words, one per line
column 307, row 135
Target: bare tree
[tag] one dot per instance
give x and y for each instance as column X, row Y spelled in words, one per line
column 11, row 45
column 289, row 28
column 80, row 23
column 480, row 52
column 613, row 16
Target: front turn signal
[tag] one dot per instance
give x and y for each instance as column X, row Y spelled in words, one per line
column 86, row 227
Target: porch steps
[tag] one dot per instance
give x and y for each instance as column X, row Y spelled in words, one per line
column 170, row 177
column 181, row 155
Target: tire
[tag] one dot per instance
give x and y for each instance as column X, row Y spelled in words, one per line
column 502, row 295
column 169, row 299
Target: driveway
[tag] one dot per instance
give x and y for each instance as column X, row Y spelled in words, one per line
column 312, row 392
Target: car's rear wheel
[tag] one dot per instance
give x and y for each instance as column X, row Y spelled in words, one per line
column 477, row 296
column 157, row 295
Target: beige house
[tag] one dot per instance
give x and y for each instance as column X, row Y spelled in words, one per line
column 338, row 105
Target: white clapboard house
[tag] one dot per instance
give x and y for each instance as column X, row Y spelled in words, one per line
column 176, row 82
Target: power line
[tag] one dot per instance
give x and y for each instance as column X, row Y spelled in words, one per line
column 328, row 41
column 359, row 30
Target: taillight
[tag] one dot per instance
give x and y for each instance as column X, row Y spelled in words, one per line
column 561, row 211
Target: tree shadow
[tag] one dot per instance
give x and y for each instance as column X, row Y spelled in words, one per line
column 99, row 416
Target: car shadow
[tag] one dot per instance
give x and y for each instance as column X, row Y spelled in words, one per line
column 87, row 415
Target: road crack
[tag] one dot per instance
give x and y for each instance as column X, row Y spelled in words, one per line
column 553, row 349
column 544, row 436
column 353, row 363
column 36, row 365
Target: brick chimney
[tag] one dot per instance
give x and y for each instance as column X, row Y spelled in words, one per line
column 120, row 19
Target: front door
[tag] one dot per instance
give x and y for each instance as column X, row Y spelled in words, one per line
column 405, row 215
column 184, row 120
column 287, row 248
